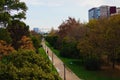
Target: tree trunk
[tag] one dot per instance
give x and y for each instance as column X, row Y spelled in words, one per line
column 113, row 64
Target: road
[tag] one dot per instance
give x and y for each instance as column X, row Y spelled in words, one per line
column 64, row 72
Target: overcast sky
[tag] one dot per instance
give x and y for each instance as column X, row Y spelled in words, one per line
column 51, row 13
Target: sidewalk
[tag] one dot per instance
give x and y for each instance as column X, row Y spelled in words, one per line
column 64, row 72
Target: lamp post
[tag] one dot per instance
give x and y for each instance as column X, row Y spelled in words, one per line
column 52, row 60
column 64, row 72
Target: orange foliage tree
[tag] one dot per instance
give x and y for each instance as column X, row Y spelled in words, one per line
column 26, row 43
column 5, row 49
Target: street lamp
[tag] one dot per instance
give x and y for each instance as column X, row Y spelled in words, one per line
column 52, row 60
column 64, row 72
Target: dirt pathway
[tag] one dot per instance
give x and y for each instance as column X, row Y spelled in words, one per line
column 64, row 72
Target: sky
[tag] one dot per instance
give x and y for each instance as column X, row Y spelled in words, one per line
column 47, row 14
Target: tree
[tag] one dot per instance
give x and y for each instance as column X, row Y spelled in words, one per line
column 112, row 38
column 5, row 49
column 11, row 10
column 26, row 43
column 52, row 40
column 36, row 39
column 17, row 30
column 103, row 39
column 69, row 50
column 5, row 35
column 67, row 26
column 53, row 32
column 26, row 65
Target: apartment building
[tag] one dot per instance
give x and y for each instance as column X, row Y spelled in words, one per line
column 102, row 12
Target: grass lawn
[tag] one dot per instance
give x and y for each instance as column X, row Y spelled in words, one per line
column 82, row 73
column 43, row 53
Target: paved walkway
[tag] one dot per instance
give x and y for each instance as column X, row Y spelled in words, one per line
column 64, row 72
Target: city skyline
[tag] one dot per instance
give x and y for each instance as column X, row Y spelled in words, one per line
column 51, row 13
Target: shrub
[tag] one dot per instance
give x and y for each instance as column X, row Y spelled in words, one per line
column 92, row 64
column 69, row 50
column 5, row 35
column 52, row 40
column 36, row 43
column 26, row 65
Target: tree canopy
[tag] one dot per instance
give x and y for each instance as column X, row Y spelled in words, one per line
column 11, row 10
column 26, row 65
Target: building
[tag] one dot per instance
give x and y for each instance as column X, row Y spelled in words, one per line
column 118, row 10
column 94, row 13
column 102, row 12
column 113, row 10
column 36, row 30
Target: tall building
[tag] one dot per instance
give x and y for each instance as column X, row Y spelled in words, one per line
column 36, row 30
column 102, row 12
column 118, row 10
column 94, row 13
column 113, row 10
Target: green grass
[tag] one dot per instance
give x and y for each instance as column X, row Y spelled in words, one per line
column 43, row 54
column 84, row 74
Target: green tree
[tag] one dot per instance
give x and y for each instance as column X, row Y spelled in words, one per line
column 36, row 39
column 102, row 39
column 17, row 30
column 69, row 50
column 91, row 46
column 5, row 35
column 112, row 38
column 11, row 10
column 26, row 65
column 52, row 40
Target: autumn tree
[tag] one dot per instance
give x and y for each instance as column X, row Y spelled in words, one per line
column 67, row 26
column 102, row 39
column 5, row 49
column 26, row 43
column 11, row 14
column 112, row 38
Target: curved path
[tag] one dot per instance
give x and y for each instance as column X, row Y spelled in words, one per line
column 64, row 72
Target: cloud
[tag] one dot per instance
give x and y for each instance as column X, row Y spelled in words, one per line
column 90, row 3
column 82, row 3
column 50, row 3
column 96, row 3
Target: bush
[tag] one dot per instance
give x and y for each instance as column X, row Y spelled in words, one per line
column 36, row 42
column 52, row 40
column 69, row 50
column 5, row 35
column 92, row 64
column 26, row 65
